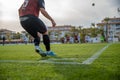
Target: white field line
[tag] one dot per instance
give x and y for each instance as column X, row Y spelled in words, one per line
column 17, row 61
column 95, row 56
column 45, row 60
column 41, row 61
column 54, row 61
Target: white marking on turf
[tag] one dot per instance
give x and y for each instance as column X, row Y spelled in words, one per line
column 54, row 61
column 95, row 56
column 17, row 61
column 41, row 61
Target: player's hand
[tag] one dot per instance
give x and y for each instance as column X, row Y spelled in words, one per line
column 53, row 23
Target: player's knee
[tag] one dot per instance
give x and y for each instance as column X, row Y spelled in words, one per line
column 46, row 33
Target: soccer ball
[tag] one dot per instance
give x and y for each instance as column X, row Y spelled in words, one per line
column 93, row 4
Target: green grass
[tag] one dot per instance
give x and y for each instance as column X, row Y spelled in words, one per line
column 106, row 67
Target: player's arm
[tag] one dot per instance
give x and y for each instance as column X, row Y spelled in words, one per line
column 45, row 13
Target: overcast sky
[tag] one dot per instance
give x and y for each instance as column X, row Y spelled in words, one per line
column 66, row 12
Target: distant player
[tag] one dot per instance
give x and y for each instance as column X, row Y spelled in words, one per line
column 3, row 38
column 29, row 12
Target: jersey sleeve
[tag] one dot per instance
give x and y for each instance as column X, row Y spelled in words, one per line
column 41, row 3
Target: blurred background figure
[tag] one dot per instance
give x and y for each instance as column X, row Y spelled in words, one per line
column 3, row 38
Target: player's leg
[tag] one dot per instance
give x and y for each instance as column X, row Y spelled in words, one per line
column 31, row 27
column 46, row 40
column 35, row 33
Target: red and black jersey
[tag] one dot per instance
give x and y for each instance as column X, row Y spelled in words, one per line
column 31, row 7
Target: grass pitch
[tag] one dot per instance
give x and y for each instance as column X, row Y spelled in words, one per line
column 106, row 67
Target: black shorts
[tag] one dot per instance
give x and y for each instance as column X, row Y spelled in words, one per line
column 32, row 25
